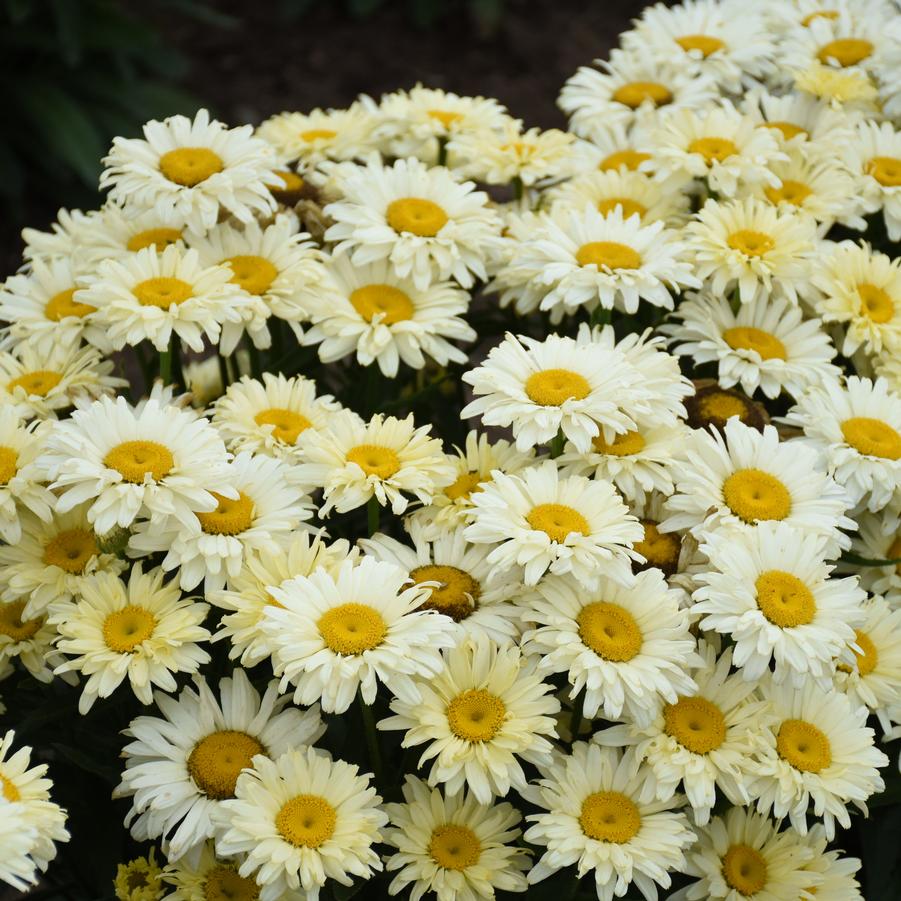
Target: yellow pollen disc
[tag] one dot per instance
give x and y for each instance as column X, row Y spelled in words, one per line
column 381, row 462
column 744, row 869
column 455, row 847
column 137, row 878
column 63, row 304
column 714, row 150
column 630, row 207
column 866, row 661
column 457, row 594
column 224, row 883
column 706, row 43
column 318, row 134
column 753, row 495
column 875, row 303
column 784, row 599
column 306, row 821
column 162, row 292
column 287, row 424
column 231, row 517
column 125, row 629
column 635, row 93
column 746, row 337
column 13, row 626
column 9, row 464
column 465, row 485
column 872, row 437
column 660, row 549
column 476, row 715
column 610, row 817
column 36, row 384
column 819, row 14
column 160, row 238
column 845, row 51
column 750, row 243
column 610, row 631
column 553, row 387
column 608, row 254
column 71, row 550
column 216, row 761
column 189, row 166
column 445, row 117
column 135, row 460
column 557, row 521
column 804, row 746
column 696, row 723
column 622, row 445
column 788, row 129
column 253, row 274
column 719, row 405
column 623, row 159
column 351, row 629
column 390, row 304
column 293, row 184
column 793, row 192
column 416, row 215
column 886, row 170
column 9, row 789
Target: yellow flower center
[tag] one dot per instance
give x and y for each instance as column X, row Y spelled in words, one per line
column 630, row 207
column 788, row 129
column 624, row 445
column 306, row 821
column 793, row 192
column 476, row 715
column 457, row 594
column 36, row 384
column 13, row 626
column 63, row 304
column 10, row 790
column 286, row 424
column 660, row 549
column 744, row 869
column 252, row 273
column 751, row 243
column 623, row 159
column 886, row 170
column 696, row 723
column 867, row 658
column 610, row 631
column 351, row 629
column 610, row 817
column 553, row 387
column 746, row 337
column 390, row 304
column 714, row 150
column 557, row 521
column 753, row 495
column 465, row 485
column 163, row 292
column 416, row 215
column 635, row 93
column 445, row 117
column 374, row 460
column 125, row 629
column 135, row 460
column 608, row 254
column 872, row 437
column 455, row 847
column 706, row 43
column 160, row 238
column 71, row 550
column 722, row 405
column 9, row 464
column 819, row 14
column 845, row 51
column 318, row 134
column 784, row 599
column 804, row 746
column 293, row 186
column 224, row 883
column 875, row 303
column 217, row 759
column 231, row 516
column 189, row 166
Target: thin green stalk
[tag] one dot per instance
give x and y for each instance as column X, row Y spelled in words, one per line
column 372, row 740
column 557, row 442
column 601, row 316
column 575, row 721
column 166, row 362
column 373, row 513
column 517, row 187
column 442, row 151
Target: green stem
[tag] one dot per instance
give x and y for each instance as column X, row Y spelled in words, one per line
column 372, row 740
column 601, row 316
column 442, row 151
column 373, row 513
column 517, row 187
column 575, row 721
column 857, row 560
column 256, row 369
column 556, row 445
column 166, row 362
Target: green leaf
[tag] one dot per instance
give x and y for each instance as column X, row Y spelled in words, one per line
column 857, row 560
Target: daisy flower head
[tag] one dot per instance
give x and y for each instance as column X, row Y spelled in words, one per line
column 482, row 712
column 836, row 873
column 594, row 817
column 21, row 482
column 28, row 640
column 192, row 169
column 142, row 631
column 540, row 521
column 384, row 318
column 618, row 148
column 140, row 879
column 819, row 751
column 855, row 428
column 301, row 819
column 455, row 847
column 111, row 234
column 766, row 344
column 427, row 223
column 711, row 407
column 846, row 89
column 875, row 158
column 180, row 766
column 752, row 247
column 192, row 880
column 61, row 241
column 877, row 538
column 17, row 837
column 338, row 631
column 354, row 461
column 625, row 649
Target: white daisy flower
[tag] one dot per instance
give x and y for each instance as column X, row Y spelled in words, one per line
column 179, row 767
column 112, row 234
column 617, row 148
column 28, row 640
column 62, row 240
column 877, row 539
column 848, row 89
column 20, row 480
column 189, row 880
column 479, row 715
column 17, row 837
column 835, row 872
column 192, row 169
